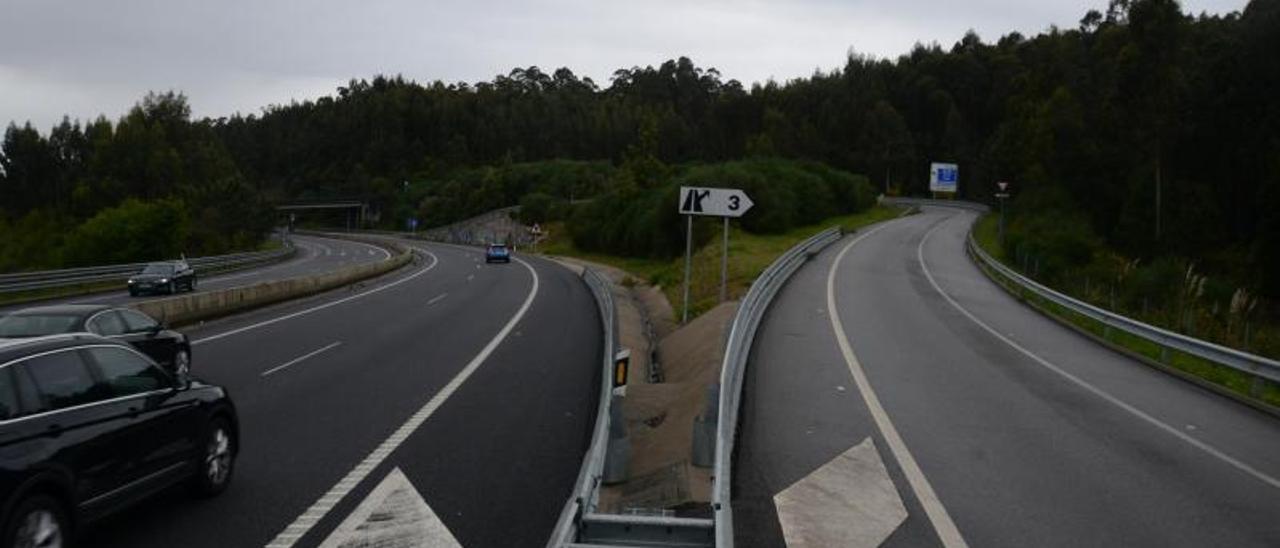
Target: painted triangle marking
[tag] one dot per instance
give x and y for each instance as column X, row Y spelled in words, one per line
column 849, row 501
column 394, row 515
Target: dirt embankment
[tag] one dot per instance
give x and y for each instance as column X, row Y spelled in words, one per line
column 672, row 367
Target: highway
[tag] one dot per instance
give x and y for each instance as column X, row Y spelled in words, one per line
column 315, row 255
column 893, row 369
column 475, row 382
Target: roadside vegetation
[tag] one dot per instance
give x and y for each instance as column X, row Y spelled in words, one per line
column 749, row 255
column 1171, row 298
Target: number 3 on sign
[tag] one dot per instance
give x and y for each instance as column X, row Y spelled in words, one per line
column 735, row 202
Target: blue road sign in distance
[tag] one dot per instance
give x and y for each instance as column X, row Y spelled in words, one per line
column 943, row 177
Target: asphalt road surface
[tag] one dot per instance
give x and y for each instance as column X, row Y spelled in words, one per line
column 995, row 425
column 315, row 255
column 476, row 382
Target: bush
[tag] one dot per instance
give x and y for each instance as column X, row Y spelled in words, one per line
column 786, row 194
column 133, row 231
column 466, row 193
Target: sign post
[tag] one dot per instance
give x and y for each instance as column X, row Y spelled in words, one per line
column 714, row 202
column 1004, row 187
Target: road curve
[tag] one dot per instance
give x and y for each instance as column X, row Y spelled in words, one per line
column 315, row 255
column 1024, row 433
column 323, row 384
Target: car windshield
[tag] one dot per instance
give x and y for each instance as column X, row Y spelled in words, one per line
column 497, row 248
column 35, row 325
column 158, row 269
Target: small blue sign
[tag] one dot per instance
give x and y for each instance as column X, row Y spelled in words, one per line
column 413, row 224
column 943, row 177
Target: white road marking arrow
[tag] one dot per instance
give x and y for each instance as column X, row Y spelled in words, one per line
column 393, row 515
column 849, row 501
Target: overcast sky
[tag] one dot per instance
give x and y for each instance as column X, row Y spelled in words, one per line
column 91, row 57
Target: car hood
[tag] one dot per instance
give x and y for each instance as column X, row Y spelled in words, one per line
column 150, row 277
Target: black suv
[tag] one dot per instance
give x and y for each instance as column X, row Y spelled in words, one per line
column 170, row 349
column 167, row 277
column 89, row 426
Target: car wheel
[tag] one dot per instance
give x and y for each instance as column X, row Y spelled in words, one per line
column 173, row 287
column 192, row 286
column 38, row 522
column 133, row 292
column 217, row 459
column 182, row 363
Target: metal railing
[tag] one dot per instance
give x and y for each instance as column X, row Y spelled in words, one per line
column 741, row 335
column 960, row 204
column 26, row 281
column 585, row 497
column 1251, row 364
column 1244, row 362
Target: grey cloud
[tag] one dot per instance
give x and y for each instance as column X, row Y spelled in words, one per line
column 88, row 57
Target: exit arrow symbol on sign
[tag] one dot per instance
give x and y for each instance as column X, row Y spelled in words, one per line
column 714, row 202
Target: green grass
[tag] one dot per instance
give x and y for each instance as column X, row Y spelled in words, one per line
column 986, row 235
column 749, row 255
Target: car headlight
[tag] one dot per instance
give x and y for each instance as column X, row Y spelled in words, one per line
column 131, row 282
column 164, row 280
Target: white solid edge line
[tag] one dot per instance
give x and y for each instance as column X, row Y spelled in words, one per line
column 1211, row 450
column 300, row 358
column 326, row 502
column 434, row 261
column 942, row 523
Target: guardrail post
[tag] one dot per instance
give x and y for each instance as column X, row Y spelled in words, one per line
column 618, row 457
column 1164, row 354
column 704, row 429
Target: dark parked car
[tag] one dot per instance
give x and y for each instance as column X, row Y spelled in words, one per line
column 497, row 253
column 89, row 426
column 166, row 277
column 170, row 349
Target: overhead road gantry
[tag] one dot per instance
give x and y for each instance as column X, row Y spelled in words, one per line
column 356, row 210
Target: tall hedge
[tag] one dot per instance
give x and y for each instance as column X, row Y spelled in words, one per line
column 786, row 193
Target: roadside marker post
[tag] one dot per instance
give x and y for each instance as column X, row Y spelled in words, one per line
column 726, row 203
column 1004, row 187
column 621, row 370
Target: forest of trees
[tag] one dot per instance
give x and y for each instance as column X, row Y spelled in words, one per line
column 1143, row 133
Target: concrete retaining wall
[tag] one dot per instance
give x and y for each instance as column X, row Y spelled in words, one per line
column 206, row 305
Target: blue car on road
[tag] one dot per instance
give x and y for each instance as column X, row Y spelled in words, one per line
column 497, row 253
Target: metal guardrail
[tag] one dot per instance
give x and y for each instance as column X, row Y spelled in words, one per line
column 960, row 204
column 585, row 497
column 24, row 281
column 741, row 335
column 1244, row 362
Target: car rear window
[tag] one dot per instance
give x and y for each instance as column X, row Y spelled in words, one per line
column 136, row 322
column 35, row 325
column 107, row 324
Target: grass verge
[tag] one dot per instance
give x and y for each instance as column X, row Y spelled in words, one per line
column 985, row 233
column 749, row 255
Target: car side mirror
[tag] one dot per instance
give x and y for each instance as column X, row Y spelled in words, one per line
column 155, row 329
